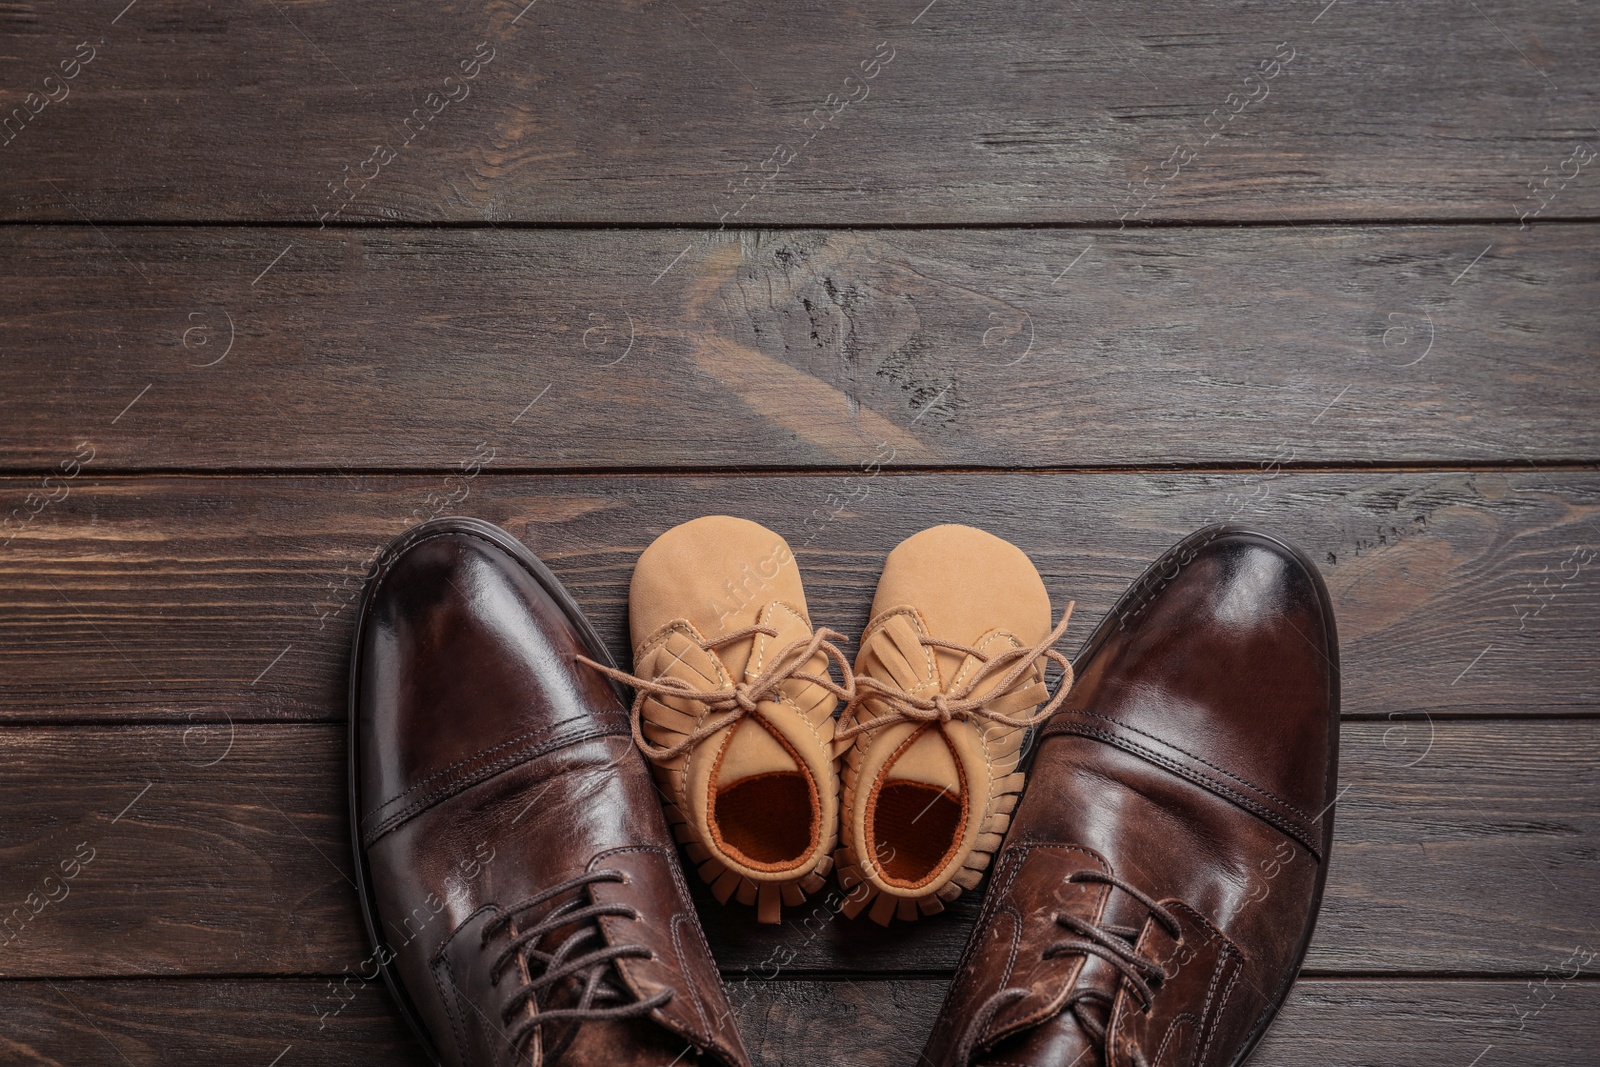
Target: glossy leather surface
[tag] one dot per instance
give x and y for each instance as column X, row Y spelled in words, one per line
column 487, row 767
column 1195, row 760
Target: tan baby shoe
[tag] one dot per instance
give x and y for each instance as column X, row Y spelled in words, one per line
column 948, row 677
column 734, row 708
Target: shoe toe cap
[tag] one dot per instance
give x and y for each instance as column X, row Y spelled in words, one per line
column 462, row 651
column 1226, row 651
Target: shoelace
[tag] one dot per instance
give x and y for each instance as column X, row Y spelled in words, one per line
column 741, row 700
column 602, row 997
column 1114, row 944
column 960, row 703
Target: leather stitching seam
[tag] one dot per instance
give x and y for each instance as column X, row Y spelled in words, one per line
column 1198, row 759
column 679, row 921
column 1047, row 1011
column 705, row 1038
column 966, row 807
column 813, row 793
column 760, row 648
column 442, row 962
column 1214, row 936
column 1216, row 1020
column 458, row 764
column 527, row 755
column 1261, row 810
column 1172, row 1031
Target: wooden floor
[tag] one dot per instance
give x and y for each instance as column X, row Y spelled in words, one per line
column 281, row 279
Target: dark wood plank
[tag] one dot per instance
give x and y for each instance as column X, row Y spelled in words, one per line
column 116, row 1023
column 216, row 849
column 217, row 1021
column 1323, row 1022
column 282, row 349
column 179, row 598
column 700, row 113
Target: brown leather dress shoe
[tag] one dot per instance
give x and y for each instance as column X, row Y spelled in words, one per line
column 1154, row 897
column 518, row 881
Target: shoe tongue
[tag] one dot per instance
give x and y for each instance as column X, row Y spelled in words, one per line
column 752, row 748
column 928, row 761
column 895, row 655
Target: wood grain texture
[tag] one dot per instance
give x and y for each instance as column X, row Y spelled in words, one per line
column 1461, row 848
column 256, row 349
column 283, row 279
column 702, row 113
column 204, row 598
column 139, row 1023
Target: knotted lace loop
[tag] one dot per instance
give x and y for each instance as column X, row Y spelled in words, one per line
column 961, row 703
column 744, row 698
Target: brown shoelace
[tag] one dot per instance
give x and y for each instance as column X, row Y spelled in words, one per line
column 744, row 698
column 960, row 703
column 602, row 996
column 1114, row 944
